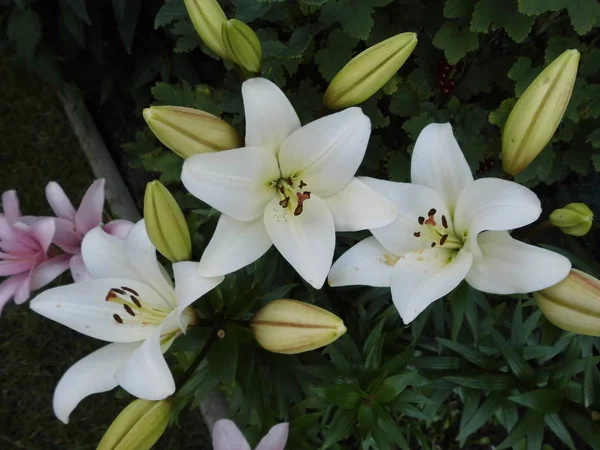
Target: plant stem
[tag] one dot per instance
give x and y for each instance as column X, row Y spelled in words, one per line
column 212, row 337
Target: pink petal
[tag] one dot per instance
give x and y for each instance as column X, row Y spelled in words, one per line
column 66, row 237
column 15, row 266
column 227, row 436
column 59, row 202
column 24, row 289
column 78, row 270
column 8, row 289
column 89, row 214
column 10, row 204
column 5, row 232
column 43, row 232
column 118, row 228
column 49, row 270
column 275, row 438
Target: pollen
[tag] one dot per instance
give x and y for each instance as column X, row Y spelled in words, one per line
column 444, row 222
column 421, row 220
column 417, row 234
column 131, row 291
column 117, row 318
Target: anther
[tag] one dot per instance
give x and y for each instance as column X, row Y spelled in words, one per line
column 131, row 291
column 444, row 222
column 110, row 296
column 289, row 181
column 417, row 234
column 284, row 203
column 118, row 291
column 432, row 244
column 136, row 301
column 431, row 212
column 129, row 310
column 443, row 239
column 298, row 209
column 281, row 190
column 301, row 185
column 117, row 318
column 421, row 220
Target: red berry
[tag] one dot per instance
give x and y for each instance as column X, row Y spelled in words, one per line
column 450, row 84
column 446, row 91
column 441, row 83
column 442, row 75
column 443, row 62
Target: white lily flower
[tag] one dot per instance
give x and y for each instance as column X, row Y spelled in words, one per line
column 131, row 302
column 291, row 187
column 449, row 228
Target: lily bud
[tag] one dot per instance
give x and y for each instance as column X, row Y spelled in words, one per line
column 165, row 223
column 189, row 131
column 242, row 45
column 290, row 326
column 536, row 115
column 138, row 426
column 574, row 219
column 208, row 17
column 573, row 304
column 367, row 72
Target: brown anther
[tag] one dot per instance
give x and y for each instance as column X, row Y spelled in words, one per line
column 117, row 318
column 421, row 220
column 131, row 291
column 417, row 234
column 302, row 196
column 136, row 301
column 289, row 181
column 443, row 239
column 281, row 190
column 432, row 212
column 129, row 310
column 301, row 185
column 221, row 334
column 298, row 210
column 284, row 203
column 432, row 244
column 119, row 291
column 444, row 222
column 110, row 296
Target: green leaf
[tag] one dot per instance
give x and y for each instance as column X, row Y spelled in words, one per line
column 339, row 427
column 398, row 362
column 187, row 37
column 366, row 419
column 437, row 362
column 488, row 14
column 523, row 74
column 454, row 9
column 500, row 115
column 590, row 63
column 483, row 414
column 485, row 381
column 545, row 400
column 559, row 429
column 223, row 358
column 80, row 9
column 583, row 13
column 393, row 386
column 530, row 420
column 456, row 41
column 73, row 23
column 515, row 361
column 25, row 30
column 594, row 140
column 471, row 354
column 583, row 426
column 591, row 378
column 336, row 55
column 174, row 95
column 343, row 395
column 126, row 13
column 168, row 13
column 415, row 125
column 355, row 16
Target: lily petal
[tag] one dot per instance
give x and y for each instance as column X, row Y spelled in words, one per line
column 235, row 182
column 234, row 245
column 105, row 256
column 119, row 228
column 358, row 207
column 227, row 436
column 42, row 231
column 367, row 263
column 8, row 288
column 78, row 270
column 411, row 201
column 326, row 153
column 270, row 117
column 89, row 214
column 509, row 266
column 276, row 438
column 437, row 162
column 495, row 205
column 93, row 374
column 422, row 277
column 306, row 241
column 10, row 205
column 59, row 202
column 83, row 308
column 49, row 270
column 66, row 237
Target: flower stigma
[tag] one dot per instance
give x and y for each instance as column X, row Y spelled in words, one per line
column 291, row 192
column 436, row 232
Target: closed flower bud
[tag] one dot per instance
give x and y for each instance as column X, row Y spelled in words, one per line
column 290, row 326
column 165, row 223
column 574, row 219
column 366, row 73
column 242, row 45
column 138, row 426
column 573, row 304
column 208, row 17
column 536, row 115
column 189, row 131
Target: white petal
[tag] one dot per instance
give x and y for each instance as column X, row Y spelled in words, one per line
column 227, row 436
column 509, row 266
column 306, row 241
column 422, row 277
column 495, row 205
column 276, row 438
column 78, row 270
column 234, row 245
column 367, row 263
column 358, row 207
column 412, row 201
column 93, row 374
column 438, row 162
column 105, row 256
column 83, row 307
column 146, row 374
column 235, row 182
column 326, row 153
column 270, row 117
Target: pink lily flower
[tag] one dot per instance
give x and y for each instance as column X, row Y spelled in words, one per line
column 72, row 225
column 227, row 436
column 24, row 260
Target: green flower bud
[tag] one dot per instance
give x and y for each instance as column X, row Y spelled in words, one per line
column 574, row 219
column 573, row 304
column 208, row 17
column 188, row 131
column 367, row 72
column 536, row 115
column 165, row 223
column 138, row 426
column 242, row 45
column 290, row 327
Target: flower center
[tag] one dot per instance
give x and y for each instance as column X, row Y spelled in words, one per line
column 292, row 194
column 135, row 308
column 436, row 232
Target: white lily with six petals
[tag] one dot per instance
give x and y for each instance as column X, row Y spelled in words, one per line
column 132, row 303
column 291, row 187
column 449, row 228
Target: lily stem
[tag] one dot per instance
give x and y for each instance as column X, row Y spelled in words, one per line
column 212, row 337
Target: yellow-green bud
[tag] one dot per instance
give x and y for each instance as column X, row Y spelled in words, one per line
column 574, row 219
column 573, row 304
column 290, row 326
column 138, row 426
column 165, row 223
column 207, row 17
column 538, row 112
column 242, row 45
column 189, row 131
column 367, row 72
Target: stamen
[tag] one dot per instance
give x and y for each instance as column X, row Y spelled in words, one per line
column 301, row 185
column 443, row 239
column 421, row 220
column 119, row 291
column 432, row 244
column 302, row 196
column 289, row 181
column 129, row 310
column 284, row 203
column 444, row 222
column 117, row 318
column 281, row 190
column 431, row 212
column 110, row 296
column 430, row 221
column 417, row 234
column 298, row 209
column 136, row 301
column 131, row 291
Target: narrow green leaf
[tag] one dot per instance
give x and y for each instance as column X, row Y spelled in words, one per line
column 471, row 354
column 343, row 395
column 340, row 426
column 437, row 362
column 459, row 302
column 393, row 386
column 366, row 419
column 557, row 426
column 583, row 426
column 545, row 400
column 529, row 421
column 392, row 429
column 535, row 438
column 515, row 361
column 398, row 362
column 485, row 412
column 494, row 382
column 470, row 406
column 590, row 378
column 516, row 335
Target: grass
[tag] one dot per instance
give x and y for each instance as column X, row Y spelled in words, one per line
column 38, row 146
